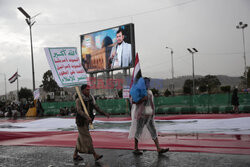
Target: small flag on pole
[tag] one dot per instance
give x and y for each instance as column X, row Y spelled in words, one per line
column 136, row 69
column 14, row 78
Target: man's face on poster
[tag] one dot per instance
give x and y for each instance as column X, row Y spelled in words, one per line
column 119, row 37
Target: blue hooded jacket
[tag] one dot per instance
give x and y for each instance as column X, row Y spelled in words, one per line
column 138, row 90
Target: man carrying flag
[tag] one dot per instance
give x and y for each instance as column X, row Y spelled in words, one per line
column 142, row 111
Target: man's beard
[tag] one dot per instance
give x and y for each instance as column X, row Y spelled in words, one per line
column 120, row 43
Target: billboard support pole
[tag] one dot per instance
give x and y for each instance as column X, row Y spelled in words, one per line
column 107, row 83
column 112, row 91
column 127, row 73
column 126, row 84
column 90, row 78
column 96, row 84
column 104, row 82
column 124, row 76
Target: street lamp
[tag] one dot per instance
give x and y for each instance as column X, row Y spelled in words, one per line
column 30, row 24
column 5, row 85
column 192, row 51
column 243, row 26
column 172, row 70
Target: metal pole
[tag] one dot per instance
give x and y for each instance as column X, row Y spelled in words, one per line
column 244, row 54
column 125, row 74
column 32, row 61
column 243, row 26
column 5, row 87
column 172, row 61
column 193, row 73
column 30, row 23
column 108, row 83
column 172, row 69
column 17, row 87
column 112, row 78
column 192, row 52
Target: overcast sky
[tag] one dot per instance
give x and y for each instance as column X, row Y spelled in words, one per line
column 207, row 25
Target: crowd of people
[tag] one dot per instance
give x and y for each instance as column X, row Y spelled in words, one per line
column 15, row 109
column 67, row 111
column 19, row 109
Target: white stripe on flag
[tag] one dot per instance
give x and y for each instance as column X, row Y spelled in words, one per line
column 136, row 70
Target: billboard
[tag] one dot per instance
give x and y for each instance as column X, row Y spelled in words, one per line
column 109, row 49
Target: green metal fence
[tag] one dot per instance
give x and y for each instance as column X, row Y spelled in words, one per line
column 53, row 108
column 206, row 103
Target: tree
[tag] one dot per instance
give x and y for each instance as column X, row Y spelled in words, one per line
column 211, row 81
column 2, row 104
column 225, row 89
column 187, row 87
column 48, row 98
column 243, row 79
column 207, row 83
column 25, row 93
column 48, row 83
column 167, row 93
column 248, row 77
column 202, row 84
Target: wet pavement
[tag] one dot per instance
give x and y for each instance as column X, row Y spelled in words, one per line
column 62, row 156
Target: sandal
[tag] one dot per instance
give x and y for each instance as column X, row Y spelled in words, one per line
column 78, row 158
column 99, row 158
column 163, row 150
column 137, row 152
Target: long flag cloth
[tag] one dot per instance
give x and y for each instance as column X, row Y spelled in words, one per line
column 212, row 133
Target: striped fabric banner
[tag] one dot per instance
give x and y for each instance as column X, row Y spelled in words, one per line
column 13, row 78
